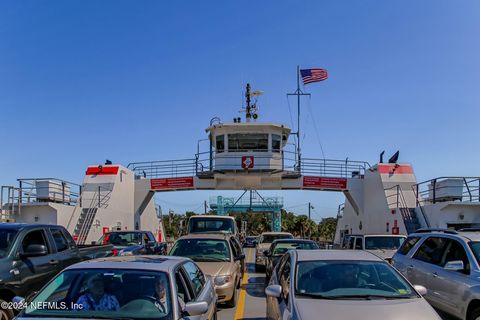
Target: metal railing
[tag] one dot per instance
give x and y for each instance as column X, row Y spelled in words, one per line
column 396, row 200
column 206, row 163
column 447, row 189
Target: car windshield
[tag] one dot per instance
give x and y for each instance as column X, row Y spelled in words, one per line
column 102, row 293
column 350, row 280
column 211, row 225
column 475, row 246
column 7, row 237
column 202, row 250
column 121, row 238
column 269, row 238
column 383, row 243
column 282, row 247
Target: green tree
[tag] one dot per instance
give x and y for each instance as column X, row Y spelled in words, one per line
column 326, row 229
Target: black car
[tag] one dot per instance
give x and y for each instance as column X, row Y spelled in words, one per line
column 279, row 247
column 250, row 242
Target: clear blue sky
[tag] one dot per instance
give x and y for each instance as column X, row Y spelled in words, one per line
column 83, row 81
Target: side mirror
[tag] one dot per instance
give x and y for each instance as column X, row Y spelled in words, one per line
column 266, row 253
column 456, row 265
column 273, row 290
column 196, row 308
column 240, row 257
column 420, row 289
column 35, row 250
column 18, row 300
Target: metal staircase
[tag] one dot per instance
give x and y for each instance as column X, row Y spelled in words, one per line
column 396, row 201
column 86, row 219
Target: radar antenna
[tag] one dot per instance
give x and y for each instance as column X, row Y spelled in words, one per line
column 251, row 109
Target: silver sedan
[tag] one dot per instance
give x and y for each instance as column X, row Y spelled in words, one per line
column 342, row 284
column 129, row 287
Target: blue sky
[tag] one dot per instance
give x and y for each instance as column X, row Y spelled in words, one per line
column 85, row 81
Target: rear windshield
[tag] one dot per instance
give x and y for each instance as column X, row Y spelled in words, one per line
column 7, row 237
column 122, row 238
column 283, row 247
column 269, row 238
column 385, row 243
column 211, row 225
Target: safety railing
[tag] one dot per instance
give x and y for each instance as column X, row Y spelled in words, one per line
column 466, row 189
column 396, row 200
column 206, row 163
column 48, row 190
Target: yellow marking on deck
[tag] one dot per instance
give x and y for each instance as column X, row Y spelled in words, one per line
column 243, row 292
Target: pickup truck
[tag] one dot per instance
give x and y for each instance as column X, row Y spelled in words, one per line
column 32, row 254
column 134, row 242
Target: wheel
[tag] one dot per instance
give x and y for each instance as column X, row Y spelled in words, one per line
column 5, row 314
column 257, row 268
column 475, row 315
column 232, row 302
column 239, row 283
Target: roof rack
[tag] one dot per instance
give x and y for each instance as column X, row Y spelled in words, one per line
column 469, row 230
column 444, row 230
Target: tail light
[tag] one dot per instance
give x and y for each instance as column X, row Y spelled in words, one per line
column 115, row 252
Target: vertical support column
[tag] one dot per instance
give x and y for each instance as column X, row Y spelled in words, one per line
column 220, row 206
column 276, row 220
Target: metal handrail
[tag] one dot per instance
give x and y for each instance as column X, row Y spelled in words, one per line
column 470, row 189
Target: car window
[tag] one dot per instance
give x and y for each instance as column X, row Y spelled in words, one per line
column 150, row 237
column 60, row 241
column 408, row 245
column 431, row 250
column 196, row 277
column 351, row 243
column 182, row 291
column 34, row 237
column 358, row 244
column 285, row 279
column 455, row 252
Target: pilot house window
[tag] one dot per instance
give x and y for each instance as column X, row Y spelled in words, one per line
column 220, row 140
column 239, row 142
column 276, row 142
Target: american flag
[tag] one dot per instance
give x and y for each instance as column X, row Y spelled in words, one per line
column 313, row 75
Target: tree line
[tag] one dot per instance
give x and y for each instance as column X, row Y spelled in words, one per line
column 298, row 225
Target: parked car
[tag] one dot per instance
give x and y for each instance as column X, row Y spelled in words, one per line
column 264, row 242
column 134, row 242
column 382, row 245
column 447, row 263
column 279, row 247
column 217, row 256
column 250, row 242
column 134, row 287
column 31, row 254
column 340, row 284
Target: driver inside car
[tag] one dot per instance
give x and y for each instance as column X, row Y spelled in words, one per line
column 96, row 299
column 160, row 295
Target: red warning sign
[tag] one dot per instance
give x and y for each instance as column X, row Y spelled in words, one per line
column 171, row 183
column 248, row 162
column 324, row 183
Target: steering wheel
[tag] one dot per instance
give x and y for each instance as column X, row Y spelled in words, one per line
column 155, row 301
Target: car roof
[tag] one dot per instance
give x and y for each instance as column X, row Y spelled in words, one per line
column 127, row 231
column 346, row 255
column 271, row 232
column 18, row 226
column 293, row 241
column 211, row 216
column 466, row 235
column 377, row 235
column 150, row 262
column 206, row 235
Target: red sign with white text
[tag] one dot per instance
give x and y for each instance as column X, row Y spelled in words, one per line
column 248, row 162
column 171, row 183
column 324, row 183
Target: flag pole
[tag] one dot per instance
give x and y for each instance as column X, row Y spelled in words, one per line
column 298, row 93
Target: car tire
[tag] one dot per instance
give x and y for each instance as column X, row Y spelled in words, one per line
column 475, row 314
column 239, row 283
column 232, row 302
column 5, row 314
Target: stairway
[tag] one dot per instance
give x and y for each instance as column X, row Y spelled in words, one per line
column 84, row 223
column 410, row 219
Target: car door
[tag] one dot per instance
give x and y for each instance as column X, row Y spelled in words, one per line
column 425, row 261
column 200, row 289
column 448, row 288
column 273, row 304
column 236, row 251
column 284, row 282
column 32, row 273
column 66, row 251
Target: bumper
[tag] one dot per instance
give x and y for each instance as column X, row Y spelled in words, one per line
column 225, row 292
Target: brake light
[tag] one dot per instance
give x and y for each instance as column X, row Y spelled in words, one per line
column 115, row 252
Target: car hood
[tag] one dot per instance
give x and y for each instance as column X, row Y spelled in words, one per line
column 402, row 309
column 383, row 253
column 216, row 268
